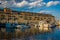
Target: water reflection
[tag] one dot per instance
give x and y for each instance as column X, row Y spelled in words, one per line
column 54, row 35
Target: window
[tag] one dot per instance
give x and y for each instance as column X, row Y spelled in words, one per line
column 44, row 18
column 30, row 18
column 36, row 17
column 15, row 18
column 2, row 15
column 2, row 18
column 41, row 18
column 9, row 18
column 25, row 18
column 21, row 16
column 7, row 13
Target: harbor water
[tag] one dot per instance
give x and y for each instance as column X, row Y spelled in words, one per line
column 53, row 35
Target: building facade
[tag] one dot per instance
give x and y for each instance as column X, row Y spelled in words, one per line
column 7, row 15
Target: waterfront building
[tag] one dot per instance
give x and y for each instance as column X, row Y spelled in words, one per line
column 8, row 15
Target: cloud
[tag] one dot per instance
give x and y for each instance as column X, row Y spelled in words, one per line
column 35, row 0
column 46, row 11
column 34, row 3
column 27, row 4
column 51, row 3
column 5, row 3
column 13, row 3
column 37, row 3
column 21, row 4
column 0, row 1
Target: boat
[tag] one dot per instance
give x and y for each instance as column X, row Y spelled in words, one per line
column 53, row 25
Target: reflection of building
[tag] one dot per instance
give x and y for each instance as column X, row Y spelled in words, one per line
column 7, row 15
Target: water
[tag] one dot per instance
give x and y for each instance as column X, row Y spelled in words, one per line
column 54, row 35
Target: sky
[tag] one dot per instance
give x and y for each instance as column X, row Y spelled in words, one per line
column 38, row 6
